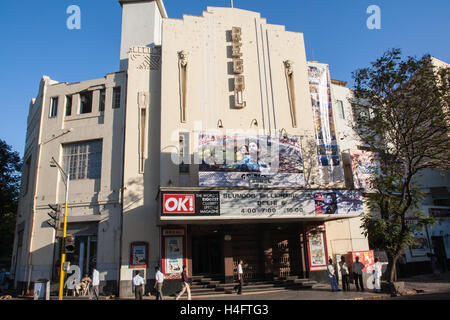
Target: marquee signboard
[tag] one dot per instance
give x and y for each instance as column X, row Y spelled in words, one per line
column 262, row 203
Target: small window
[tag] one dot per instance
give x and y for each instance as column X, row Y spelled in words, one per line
column 53, row 107
column 68, row 105
column 116, row 98
column 26, row 176
column 341, row 110
column 101, row 104
column 86, row 102
column 184, row 152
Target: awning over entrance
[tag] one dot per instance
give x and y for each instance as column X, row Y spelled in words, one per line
column 241, row 205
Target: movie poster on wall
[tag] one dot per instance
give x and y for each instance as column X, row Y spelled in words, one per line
column 317, row 253
column 364, row 167
column 174, row 255
column 338, row 202
column 324, row 126
column 245, row 160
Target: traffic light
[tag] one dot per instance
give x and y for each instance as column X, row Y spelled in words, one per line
column 69, row 244
column 54, row 215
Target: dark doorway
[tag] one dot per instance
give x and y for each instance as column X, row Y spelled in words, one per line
column 207, row 257
column 439, row 250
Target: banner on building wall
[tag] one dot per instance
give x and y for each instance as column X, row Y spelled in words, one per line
column 263, row 203
column 324, row 126
column 364, row 167
column 338, row 202
column 250, row 161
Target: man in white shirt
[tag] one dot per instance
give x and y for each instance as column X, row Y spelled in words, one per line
column 240, row 273
column 138, row 283
column 95, row 283
column 332, row 276
column 377, row 272
column 344, row 273
column 159, row 279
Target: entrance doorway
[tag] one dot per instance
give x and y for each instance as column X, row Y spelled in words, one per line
column 439, row 250
column 207, row 255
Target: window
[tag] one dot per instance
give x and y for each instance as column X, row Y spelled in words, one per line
column 101, row 104
column 341, row 110
column 116, row 98
column 68, row 105
column 53, row 107
column 26, row 175
column 83, row 160
column 184, row 152
column 86, row 102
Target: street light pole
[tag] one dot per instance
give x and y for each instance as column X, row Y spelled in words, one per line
column 66, row 180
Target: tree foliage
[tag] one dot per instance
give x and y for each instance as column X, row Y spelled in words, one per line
column 401, row 109
column 10, row 167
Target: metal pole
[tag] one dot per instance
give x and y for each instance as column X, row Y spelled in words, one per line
column 232, row 4
column 63, row 252
column 63, row 249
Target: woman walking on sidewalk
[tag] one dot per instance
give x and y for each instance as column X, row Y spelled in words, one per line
column 185, row 284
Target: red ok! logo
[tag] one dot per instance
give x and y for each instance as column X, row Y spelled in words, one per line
column 179, row 203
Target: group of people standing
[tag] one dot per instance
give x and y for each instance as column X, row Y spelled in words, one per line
column 357, row 272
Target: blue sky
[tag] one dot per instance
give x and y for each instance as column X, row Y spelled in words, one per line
column 35, row 40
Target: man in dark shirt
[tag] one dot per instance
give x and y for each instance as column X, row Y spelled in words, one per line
column 185, row 285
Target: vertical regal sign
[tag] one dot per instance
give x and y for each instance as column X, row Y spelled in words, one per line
column 238, row 68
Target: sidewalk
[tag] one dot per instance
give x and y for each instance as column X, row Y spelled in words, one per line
column 417, row 285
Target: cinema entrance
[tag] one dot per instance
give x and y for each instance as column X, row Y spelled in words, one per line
column 269, row 250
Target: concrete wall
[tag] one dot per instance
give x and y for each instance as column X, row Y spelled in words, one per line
column 87, row 197
column 210, row 88
column 140, row 208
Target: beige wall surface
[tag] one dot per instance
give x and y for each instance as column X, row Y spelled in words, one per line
column 210, row 84
column 87, row 197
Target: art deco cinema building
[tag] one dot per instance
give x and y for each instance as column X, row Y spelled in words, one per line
column 215, row 142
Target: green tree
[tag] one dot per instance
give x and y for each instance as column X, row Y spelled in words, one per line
column 401, row 108
column 10, row 167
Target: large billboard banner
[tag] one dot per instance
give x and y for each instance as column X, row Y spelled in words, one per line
column 250, row 161
column 265, row 203
column 327, row 148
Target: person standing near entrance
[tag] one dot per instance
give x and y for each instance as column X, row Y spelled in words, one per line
column 138, row 283
column 240, row 273
column 332, row 275
column 185, row 284
column 377, row 272
column 159, row 279
column 357, row 269
column 344, row 274
column 94, row 284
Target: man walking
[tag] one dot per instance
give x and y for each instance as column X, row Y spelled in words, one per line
column 95, row 283
column 344, row 274
column 332, row 275
column 159, row 279
column 185, row 284
column 357, row 269
column 240, row 273
column 138, row 283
